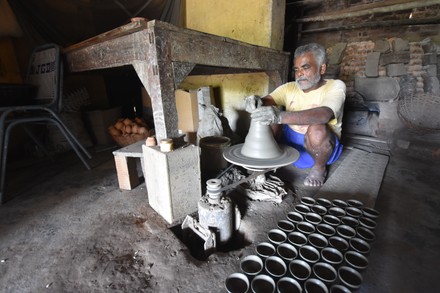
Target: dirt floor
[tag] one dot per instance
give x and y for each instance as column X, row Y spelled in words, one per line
column 75, row 231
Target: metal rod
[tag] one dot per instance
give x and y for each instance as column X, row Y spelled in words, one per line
column 142, row 8
column 123, row 8
column 224, row 171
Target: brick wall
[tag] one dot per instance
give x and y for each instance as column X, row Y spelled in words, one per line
column 353, row 63
column 354, row 60
column 386, row 56
column 415, row 66
column 386, row 73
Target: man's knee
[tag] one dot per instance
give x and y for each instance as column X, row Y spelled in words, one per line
column 317, row 134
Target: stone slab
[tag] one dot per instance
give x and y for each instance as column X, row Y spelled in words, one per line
column 399, row 44
column 382, row 46
column 372, row 64
column 397, row 69
column 428, row 46
column 336, row 54
column 359, row 176
column 377, row 89
column 408, row 85
column 431, row 84
column 430, row 58
column 394, row 57
column 431, row 70
column 332, row 71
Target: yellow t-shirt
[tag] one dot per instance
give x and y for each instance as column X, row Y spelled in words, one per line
column 331, row 94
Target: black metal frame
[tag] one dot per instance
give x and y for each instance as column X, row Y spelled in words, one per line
column 48, row 77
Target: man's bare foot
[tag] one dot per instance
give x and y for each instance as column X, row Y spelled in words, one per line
column 316, row 177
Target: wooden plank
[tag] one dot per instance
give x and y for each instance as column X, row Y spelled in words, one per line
column 206, row 49
column 134, row 150
column 176, row 45
column 134, row 26
column 126, row 170
column 369, row 9
column 109, row 53
column 126, row 165
column 163, row 54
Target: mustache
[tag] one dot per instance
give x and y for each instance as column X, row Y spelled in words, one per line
column 302, row 79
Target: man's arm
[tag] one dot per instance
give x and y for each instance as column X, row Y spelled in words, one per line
column 276, row 128
column 319, row 115
column 268, row 101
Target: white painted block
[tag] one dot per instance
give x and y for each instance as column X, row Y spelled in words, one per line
column 173, row 181
column 204, row 95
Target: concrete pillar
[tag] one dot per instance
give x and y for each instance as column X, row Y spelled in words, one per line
column 173, row 181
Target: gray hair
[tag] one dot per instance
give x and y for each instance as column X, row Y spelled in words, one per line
column 317, row 50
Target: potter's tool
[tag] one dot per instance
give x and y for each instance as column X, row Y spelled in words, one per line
column 255, row 174
column 218, row 218
column 261, row 153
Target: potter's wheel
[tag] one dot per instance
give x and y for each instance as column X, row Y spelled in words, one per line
column 233, row 155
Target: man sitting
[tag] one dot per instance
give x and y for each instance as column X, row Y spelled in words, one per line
column 312, row 120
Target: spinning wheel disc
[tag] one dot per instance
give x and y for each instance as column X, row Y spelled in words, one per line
column 234, row 156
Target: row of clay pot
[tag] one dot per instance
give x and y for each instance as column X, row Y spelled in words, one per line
column 321, row 246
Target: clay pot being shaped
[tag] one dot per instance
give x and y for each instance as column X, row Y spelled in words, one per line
column 260, row 143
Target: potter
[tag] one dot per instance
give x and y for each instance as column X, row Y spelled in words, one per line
column 310, row 119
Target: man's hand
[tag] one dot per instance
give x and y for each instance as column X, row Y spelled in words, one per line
column 267, row 115
column 252, row 103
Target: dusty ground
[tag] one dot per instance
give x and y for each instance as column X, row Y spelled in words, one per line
column 77, row 232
